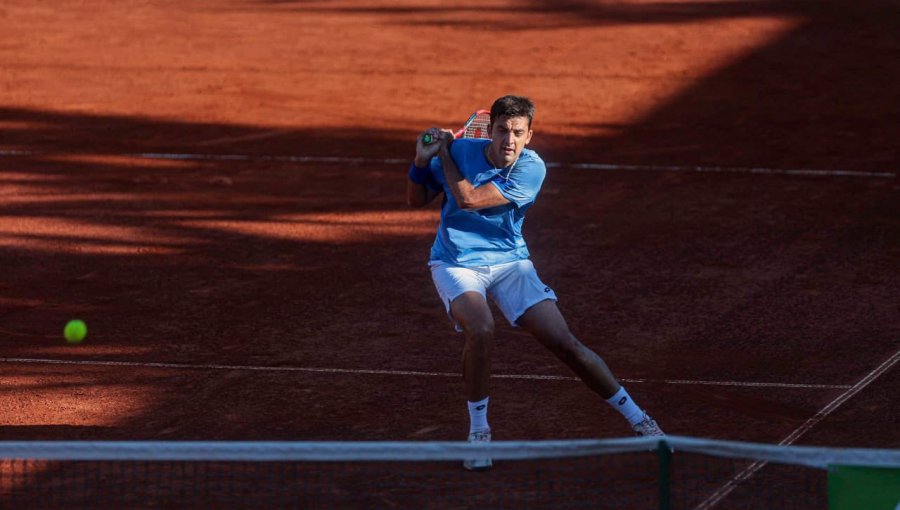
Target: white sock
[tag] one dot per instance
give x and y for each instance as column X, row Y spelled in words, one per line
column 478, row 415
column 623, row 403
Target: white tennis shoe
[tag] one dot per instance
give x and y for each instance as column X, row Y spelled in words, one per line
column 647, row 427
column 479, row 463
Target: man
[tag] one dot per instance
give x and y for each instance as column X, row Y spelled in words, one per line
column 479, row 251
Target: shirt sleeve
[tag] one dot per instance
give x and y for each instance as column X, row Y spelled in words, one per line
column 433, row 185
column 521, row 184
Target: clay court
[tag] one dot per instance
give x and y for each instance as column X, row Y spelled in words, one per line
column 218, row 189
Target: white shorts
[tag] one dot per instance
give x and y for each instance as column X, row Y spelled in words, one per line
column 514, row 286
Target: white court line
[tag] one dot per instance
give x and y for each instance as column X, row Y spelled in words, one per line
column 737, row 170
column 750, row 470
column 397, row 161
column 397, row 373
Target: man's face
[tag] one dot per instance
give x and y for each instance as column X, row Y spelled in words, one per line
column 509, row 135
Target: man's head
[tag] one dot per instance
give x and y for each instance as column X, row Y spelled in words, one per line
column 510, row 129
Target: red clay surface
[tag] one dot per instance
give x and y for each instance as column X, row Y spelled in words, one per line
column 668, row 275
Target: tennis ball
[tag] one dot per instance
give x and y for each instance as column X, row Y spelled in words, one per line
column 75, row 331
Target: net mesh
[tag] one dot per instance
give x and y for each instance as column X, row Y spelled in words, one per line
column 700, row 482
column 560, row 475
column 547, row 483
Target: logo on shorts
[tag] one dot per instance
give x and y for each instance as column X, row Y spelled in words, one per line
column 546, row 289
column 623, row 400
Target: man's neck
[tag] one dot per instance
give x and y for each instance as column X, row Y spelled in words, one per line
column 488, row 155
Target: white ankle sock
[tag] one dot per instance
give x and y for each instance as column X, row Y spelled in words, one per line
column 478, row 415
column 623, row 403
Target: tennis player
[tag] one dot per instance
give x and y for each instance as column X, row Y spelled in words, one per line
column 479, row 252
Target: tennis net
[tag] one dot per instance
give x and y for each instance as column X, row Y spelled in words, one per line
column 639, row 473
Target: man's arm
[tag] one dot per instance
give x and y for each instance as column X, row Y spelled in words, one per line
column 418, row 194
column 468, row 197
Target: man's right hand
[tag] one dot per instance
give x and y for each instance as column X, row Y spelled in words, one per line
column 424, row 152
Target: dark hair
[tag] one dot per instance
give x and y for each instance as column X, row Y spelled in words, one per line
column 513, row 106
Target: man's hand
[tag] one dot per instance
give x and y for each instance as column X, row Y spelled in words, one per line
column 424, row 152
column 446, row 138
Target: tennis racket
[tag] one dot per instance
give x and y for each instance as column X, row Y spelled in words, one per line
column 475, row 127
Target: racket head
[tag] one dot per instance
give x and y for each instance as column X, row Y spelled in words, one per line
column 477, row 126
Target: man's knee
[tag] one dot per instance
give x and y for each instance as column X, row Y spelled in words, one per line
column 562, row 343
column 479, row 331
column 472, row 313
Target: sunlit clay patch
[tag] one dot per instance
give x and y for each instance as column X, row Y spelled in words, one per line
column 67, row 236
column 628, row 83
column 119, row 160
column 331, row 227
column 12, row 125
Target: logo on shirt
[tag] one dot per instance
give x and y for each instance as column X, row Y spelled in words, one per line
column 623, row 400
column 480, row 408
column 546, row 289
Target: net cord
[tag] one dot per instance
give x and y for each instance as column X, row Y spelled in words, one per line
column 323, row 451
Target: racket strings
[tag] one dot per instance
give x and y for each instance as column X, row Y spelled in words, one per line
column 478, row 127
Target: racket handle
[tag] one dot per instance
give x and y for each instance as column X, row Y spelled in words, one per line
column 427, row 138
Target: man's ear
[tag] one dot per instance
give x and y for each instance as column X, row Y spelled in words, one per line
column 528, row 140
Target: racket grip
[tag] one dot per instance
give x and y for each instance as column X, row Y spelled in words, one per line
column 427, row 138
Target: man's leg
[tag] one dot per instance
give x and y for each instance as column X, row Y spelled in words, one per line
column 473, row 314
column 547, row 324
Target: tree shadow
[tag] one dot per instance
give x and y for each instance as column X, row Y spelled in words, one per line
column 55, row 432
column 218, row 252
column 819, row 96
column 204, row 261
column 39, row 131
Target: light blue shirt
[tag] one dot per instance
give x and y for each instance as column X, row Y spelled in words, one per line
column 493, row 235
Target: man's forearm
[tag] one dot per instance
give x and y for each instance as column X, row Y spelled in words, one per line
column 417, row 192
column 459, row 187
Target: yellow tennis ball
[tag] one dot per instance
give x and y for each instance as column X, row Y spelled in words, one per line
column 75, row 331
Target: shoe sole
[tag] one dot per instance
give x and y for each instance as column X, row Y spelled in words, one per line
column 486, row 467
